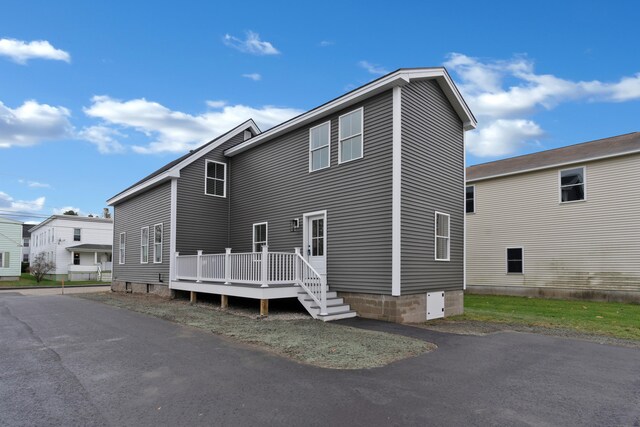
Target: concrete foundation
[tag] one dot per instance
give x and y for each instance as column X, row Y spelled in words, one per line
column 558, row 293
column 161, row 290
column 402, row 309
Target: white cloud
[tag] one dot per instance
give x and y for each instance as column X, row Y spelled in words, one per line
column 21, row 52
column 175, row 131
column 253, row 76
column 325, row 43
column 251, row 44
column 34, row 184
column 373, row 68
column 32, row 123
column 504, row 94
column 9, row 204
column 104, row 138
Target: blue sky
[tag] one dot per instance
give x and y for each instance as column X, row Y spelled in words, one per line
column 95, row 95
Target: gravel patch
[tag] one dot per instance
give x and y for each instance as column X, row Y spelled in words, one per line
column 290, row 334
column 476, row 327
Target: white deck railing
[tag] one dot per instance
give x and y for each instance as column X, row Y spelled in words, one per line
column 280, row 268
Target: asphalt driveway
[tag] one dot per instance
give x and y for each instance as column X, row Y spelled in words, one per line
column 68, row 361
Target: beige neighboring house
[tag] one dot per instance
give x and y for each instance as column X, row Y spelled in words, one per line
column 558, row 223
column 79, row 246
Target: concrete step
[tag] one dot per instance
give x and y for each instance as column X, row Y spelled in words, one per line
column 337, row 316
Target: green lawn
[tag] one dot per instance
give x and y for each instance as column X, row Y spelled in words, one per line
column 601, row 318
column 27, row 280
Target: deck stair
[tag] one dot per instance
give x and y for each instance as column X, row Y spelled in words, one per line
column 336, row 307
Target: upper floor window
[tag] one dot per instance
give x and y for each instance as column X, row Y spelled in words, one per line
column 259, row 236
column 25, row 242
column 319, row 146
column 470, row 199
column 215, row 179
column 122, row 248
column 144, row 245
column 76, row 234
column 350, row 136
column 442, row 234
column 157, row 243
column 572, row 185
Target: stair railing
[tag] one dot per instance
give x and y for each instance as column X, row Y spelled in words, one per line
column 314, row 283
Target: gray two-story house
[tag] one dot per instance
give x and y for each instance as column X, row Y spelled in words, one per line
column 354, row 206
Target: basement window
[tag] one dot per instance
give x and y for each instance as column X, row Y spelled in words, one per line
column 572, row 185
column 515, row 260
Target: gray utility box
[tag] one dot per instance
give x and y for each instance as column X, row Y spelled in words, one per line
column 435, row 305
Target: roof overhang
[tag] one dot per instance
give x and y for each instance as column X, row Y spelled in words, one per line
column 174, row 172
column 90, row 248
column 397, row 78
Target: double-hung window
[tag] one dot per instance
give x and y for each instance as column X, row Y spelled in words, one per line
column 76, row 234
column 470, row 199
column 442, row 235
column 259, row 236
column 515, row 260
column 4, row 259
column 157, row 243
column 319, row 146
column 144, row 245
column 122, row 248
column 351, row 135
column 572, row 185
column 215, row 179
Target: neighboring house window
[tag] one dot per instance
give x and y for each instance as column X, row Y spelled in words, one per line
column 470, row 199
column 215, row 179
column 122, row 248
column 4, row 259
column 25, row 242
column 350, row 140
column 319, row 146
column 259, row 236
column 572, row 185
column 76, row 258
column 157, row 243
column 442, row 237
column 515, row 260
column 144, row 245
column 76, row 234
column 25, row 257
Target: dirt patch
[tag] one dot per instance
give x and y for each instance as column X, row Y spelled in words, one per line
column 293, row 335
column 476, row 327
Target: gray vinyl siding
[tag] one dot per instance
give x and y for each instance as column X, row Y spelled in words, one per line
column 272, row 183
column 432, row 180
column 146, row 209
column 202, row 220
column 591, row 245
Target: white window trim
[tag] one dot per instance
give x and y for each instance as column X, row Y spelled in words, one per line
column 506, row 259
column 253, row 235
column 122, row 248
column 435, row 237
column 584, row 175
column 142, row 261
column 340, row 161
column 74, row 235
column 474, row 199
column 161, row 242
column 311, row 150
column 224, row 182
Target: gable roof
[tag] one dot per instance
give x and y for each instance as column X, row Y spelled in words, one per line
column 70, row 218
column 592, row 150
column 8, row 220
column 172, row 169
column 399, row 77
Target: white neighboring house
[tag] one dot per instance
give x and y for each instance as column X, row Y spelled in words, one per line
column 80, row 247
column 10, row 249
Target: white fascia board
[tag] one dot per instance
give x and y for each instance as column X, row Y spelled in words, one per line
column 399, row 78
column 555, row 165
column 174, row 172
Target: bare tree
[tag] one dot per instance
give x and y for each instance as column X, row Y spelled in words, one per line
column 40, row 266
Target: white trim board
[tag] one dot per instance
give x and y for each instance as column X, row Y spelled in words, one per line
column 396, row 194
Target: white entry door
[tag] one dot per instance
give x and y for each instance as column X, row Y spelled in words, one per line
column 316, row 241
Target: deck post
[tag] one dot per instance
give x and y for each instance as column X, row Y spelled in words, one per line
column 264, row 307
column 224, row 301
column 175, row 270
column 199, row 267
column 296, row 265
column 323, row 295
column 193, row 297
column 265, row 268
column 227, row 266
